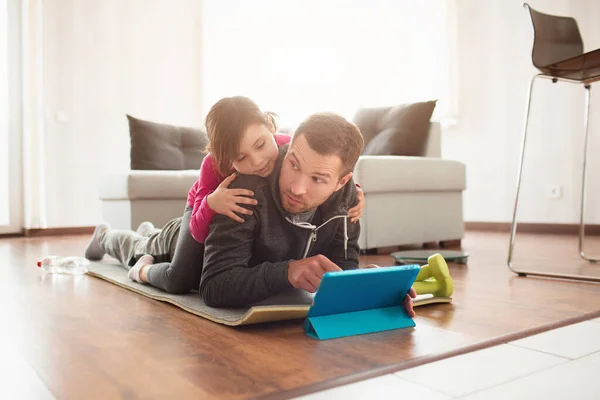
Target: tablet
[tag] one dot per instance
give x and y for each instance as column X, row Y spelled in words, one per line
column 361, row 301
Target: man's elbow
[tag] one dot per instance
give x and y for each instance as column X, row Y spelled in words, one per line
column 213, row 302
column 210, row 295
column 213, row 295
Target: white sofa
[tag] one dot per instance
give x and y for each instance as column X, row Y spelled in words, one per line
column 409, row 200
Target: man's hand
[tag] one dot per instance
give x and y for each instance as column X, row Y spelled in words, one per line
column 355, row 212
column 225, row 201
column 307, row 273
column 408, row 303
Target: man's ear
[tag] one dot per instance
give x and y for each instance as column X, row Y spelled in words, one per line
column 343, row 181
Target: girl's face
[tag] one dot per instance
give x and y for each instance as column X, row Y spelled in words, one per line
column 258, row 152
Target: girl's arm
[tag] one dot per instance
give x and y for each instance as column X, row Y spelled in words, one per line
column 214, row 197
column 202, row 214
column 356, row 211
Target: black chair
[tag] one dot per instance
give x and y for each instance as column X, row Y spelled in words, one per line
column 558, row 54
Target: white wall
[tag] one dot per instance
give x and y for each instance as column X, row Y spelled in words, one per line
column 494, row 45
column 106, row 58
column 103, row 59
column 4, row 121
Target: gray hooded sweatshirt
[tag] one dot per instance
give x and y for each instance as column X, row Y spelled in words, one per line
column 248, row 262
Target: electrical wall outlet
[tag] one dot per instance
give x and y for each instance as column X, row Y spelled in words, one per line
column 555, row 192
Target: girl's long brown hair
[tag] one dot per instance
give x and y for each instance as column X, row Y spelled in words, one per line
column 226, row 123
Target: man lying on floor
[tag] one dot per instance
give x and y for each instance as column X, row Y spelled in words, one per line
column 297, row 232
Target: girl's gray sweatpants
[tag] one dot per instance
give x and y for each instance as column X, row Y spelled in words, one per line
column 177, row 255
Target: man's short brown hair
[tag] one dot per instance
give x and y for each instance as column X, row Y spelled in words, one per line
column 331, row 134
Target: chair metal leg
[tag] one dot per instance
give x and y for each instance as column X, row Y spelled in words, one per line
column 513, row 230
column 584, row 178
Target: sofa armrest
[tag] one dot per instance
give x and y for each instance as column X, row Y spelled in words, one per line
column 433, row 148
column 384, row 174
column 140, row 184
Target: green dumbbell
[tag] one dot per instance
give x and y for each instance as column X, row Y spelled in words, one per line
column 434, row 278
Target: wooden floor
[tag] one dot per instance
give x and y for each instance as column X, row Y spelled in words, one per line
column 86, row 338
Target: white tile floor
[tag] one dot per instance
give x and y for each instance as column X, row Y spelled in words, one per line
column 560, row 364
column 573, row 341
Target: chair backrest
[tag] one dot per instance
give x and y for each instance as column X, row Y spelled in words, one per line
column 555, row 38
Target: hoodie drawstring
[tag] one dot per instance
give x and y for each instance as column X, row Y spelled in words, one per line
column 314, row 229
column 345, row 238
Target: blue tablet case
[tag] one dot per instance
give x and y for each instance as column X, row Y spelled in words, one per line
column 361, row 301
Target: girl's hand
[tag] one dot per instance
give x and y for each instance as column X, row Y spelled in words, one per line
column 356, row 211
column 225, row 201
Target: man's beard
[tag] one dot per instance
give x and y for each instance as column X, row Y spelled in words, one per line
column 299, row 203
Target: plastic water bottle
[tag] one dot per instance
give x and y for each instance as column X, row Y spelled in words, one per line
column 64, row 265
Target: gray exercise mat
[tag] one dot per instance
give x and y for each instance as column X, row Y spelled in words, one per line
column 285, row 306
column 290, row 305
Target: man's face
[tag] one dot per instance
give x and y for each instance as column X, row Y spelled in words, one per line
column 307, row 179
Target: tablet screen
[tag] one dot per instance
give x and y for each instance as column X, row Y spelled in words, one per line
column 363, row 289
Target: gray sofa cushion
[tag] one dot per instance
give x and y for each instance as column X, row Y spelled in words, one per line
column 401, row 130
column 369, row 121
column 157, row 146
